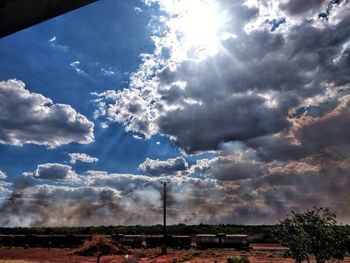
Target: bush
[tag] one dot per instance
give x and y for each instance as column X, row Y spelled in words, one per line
column 99, row 246
column 238, row 259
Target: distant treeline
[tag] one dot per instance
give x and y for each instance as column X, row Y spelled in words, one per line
column 256, row 233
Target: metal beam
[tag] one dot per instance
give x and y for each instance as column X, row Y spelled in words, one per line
column 16, row 15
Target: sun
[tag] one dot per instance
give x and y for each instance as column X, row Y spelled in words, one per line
column 197, row 24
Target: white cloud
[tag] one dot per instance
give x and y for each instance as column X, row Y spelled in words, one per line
column 2, row 175
column 82, row 157
column 107, row 72
column 55, row 172
column 168, row 167
column 104, row 125
column 76, row 66
column 138, row 10
column 53, row 39
column 29, row 117
column 137, row 137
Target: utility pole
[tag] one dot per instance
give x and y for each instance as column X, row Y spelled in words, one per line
column 164, row 208
column 165, row 235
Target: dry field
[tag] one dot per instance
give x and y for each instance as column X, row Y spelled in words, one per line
column 264, row 253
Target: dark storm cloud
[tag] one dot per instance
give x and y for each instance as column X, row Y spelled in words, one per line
column 32, row 118
column 168, row 167
column 321, row 127
column 291, row 71
column 234, row 118
column 228, row 168
column 246, row 90
column 299, row 7
column 311, row 8
column 319, row 133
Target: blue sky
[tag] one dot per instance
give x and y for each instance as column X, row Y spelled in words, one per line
column 243, row 106
column 100, row 40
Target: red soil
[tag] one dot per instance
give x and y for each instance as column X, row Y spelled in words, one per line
column 261, row 253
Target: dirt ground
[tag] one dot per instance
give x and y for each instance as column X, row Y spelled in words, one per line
column 262, row 253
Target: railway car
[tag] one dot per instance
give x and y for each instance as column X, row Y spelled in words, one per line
column 154, row 241
column 222, row 241
column 180, row 242
column 14, row 240
column 235, row 241
column 80, row 239
column 40, row 240
column 7, row 240
column 134, row 241
column 58, row 240
column 116, row 237
column 204, row 241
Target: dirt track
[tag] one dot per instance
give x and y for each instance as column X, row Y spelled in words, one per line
column 262, row 253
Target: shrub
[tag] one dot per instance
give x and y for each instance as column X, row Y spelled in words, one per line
column 99, row 246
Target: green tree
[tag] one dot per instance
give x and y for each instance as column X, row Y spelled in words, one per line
column 314, row 232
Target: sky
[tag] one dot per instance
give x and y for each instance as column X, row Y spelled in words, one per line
column 242, row 106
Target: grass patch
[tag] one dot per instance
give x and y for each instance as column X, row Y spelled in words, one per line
column 189, row 256
column 238, row 259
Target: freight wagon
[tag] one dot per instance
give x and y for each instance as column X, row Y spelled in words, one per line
column 201, row 241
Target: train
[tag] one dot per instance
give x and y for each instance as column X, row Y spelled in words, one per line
column 199, row 241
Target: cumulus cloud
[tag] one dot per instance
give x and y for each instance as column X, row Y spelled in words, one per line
column 168, row 167
column 81, row 157
column 55, row 172
column 29, row 117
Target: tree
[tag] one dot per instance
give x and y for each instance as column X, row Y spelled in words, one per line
column 313, row 232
